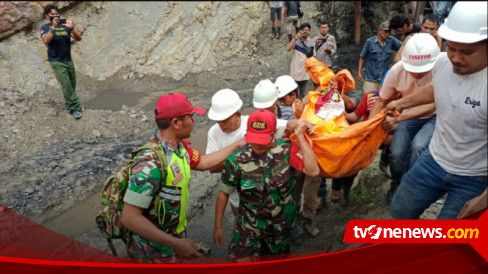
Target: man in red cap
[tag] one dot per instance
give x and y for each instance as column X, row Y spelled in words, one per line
column 156, row 202
column 261, row 173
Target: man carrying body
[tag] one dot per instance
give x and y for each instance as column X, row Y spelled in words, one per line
column 376, row 53
column 415, row 125
column 456, row 159
column 57, row 37
column 325, row 45
column 156, row 204
column 261, row 173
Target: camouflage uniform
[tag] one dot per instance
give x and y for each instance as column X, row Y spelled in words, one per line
column 267, row 210
column 165, row 206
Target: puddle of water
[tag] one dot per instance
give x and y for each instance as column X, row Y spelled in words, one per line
column 115, row 99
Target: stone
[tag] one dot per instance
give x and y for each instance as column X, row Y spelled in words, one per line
column 28, row 191
column 96, row 133
column 15, row 130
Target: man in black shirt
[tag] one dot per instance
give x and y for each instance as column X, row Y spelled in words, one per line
column 57, row 36
column 401, row 24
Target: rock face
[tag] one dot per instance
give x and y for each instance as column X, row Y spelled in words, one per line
column 128, row 39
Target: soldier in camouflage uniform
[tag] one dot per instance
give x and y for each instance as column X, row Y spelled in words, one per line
column 156, row 202
column 261, row 173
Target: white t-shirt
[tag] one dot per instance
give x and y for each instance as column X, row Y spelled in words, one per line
column 459, row 143
column 217, row 140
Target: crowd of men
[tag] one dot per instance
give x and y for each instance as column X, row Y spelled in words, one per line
column 437, row 145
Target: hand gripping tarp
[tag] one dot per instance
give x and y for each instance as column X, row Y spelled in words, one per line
column 341, row 149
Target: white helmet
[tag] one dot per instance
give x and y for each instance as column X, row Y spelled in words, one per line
column 265, row 94
column 466, row 23
column 225, row 102
column 285, row 84
column 420, row 53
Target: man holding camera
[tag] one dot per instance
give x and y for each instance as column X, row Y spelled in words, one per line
column 303, row 49
column 57, row 36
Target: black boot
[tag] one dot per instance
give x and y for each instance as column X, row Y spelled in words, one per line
column 279, row 33
column 289, row 38
column 389, row 195
column 273, row 33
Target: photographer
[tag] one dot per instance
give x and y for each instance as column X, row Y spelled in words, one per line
column 304, row 48
column 56, row 35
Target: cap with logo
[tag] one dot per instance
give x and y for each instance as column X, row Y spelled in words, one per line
column 385, row 25
column 261, row 124
column 174, row 105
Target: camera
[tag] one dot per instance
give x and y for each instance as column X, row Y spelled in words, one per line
column 62, row 21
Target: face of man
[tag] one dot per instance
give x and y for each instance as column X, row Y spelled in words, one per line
column 288, row 99
column 305, row 32
column 184, row 126
column 324, row 29
column 52, row 13
column 467, row 58
column 262, row 150
column 230, row 124
column 383, row 34
column 402, row 30
column 428, row 27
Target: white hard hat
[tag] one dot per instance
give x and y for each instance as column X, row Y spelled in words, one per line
column 285, row 84
column 466, row 23
column 420, row 53
column 265, row 94
column 225, row 102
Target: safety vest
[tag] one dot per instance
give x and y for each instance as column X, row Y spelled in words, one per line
column 171, row 203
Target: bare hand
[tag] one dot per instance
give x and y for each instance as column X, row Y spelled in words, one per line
column 393, row 105
column 218, row 236
column 55, row 22
column 389, row 123
column 69, row 23
column 474, row 205
column 303, row 126
column 186, row 248
column 360, row 77
column 299, row 35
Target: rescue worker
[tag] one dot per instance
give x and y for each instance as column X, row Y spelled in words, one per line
column 261, row 173
column 156, row 214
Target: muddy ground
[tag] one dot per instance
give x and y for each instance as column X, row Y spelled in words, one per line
column 55, row 165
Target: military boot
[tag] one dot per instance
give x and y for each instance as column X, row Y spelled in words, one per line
column 389, row 195
column 278, row 33
column 273, row 33
column 309, row 227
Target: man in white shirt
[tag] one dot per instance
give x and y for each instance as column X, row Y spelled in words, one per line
column 456, row 159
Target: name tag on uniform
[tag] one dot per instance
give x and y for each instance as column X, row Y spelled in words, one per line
column 176, row 169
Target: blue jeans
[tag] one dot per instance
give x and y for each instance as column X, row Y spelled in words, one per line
column 410, row 139
column 426, row 182
column 322, row 192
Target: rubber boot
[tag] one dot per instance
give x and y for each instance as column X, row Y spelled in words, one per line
column 389, row 195
column 289, row 38
column 273, row 33
column 279, row 33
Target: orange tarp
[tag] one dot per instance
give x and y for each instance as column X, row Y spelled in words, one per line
column 341, row 149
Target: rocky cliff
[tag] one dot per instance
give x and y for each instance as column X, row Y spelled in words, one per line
column 128, row 39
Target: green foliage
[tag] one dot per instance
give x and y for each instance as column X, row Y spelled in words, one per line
column 367, row 196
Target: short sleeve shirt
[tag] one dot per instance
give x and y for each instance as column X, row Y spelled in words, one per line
column 291, row 8
column 366, row 104
column 297, row 66
column 378, row 57
column 398, row 82
column 59, row 50
column 266, row 189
